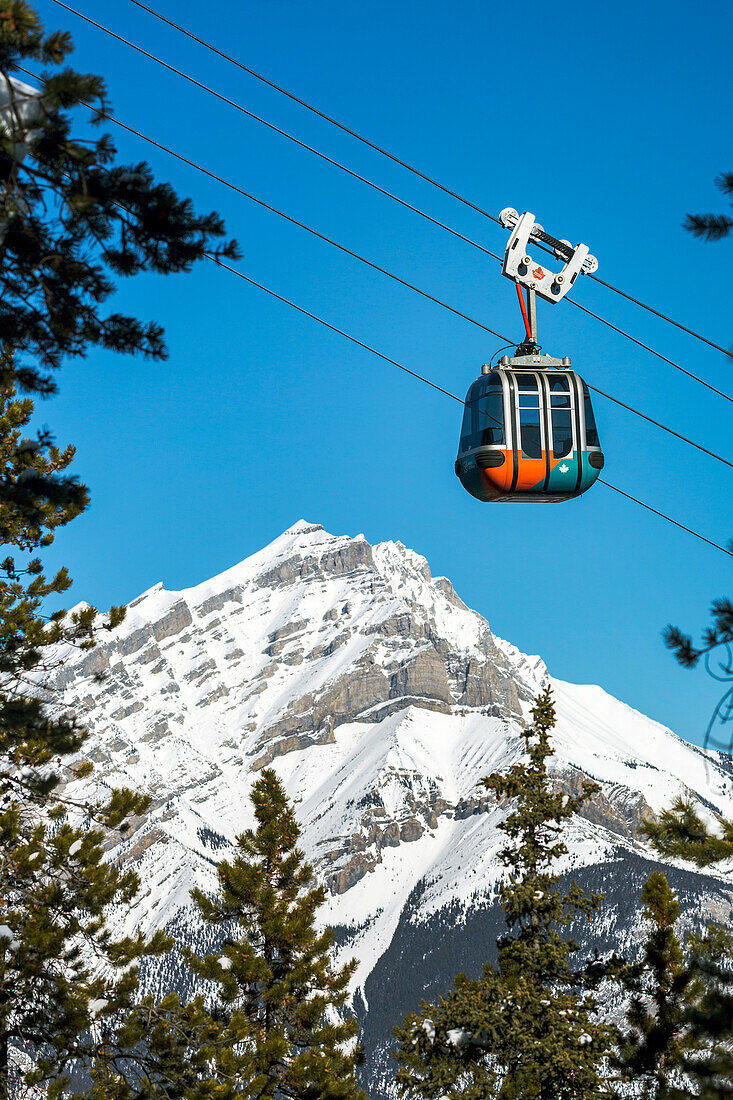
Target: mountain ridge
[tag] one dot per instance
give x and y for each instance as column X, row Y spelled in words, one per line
column 381, row 699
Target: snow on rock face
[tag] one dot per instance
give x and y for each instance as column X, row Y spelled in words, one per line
column 381, row 700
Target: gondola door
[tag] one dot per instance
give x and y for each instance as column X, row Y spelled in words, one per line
column 564, row 458
column 529, row 435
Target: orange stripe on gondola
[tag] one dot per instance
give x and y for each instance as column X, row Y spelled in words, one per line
column 498, row 479
column 531, row 472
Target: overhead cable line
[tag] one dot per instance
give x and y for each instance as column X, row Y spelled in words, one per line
column 362, row 179
column 333, row 328
column 428, row 382
column 670, row 431
column 315, row 110
column 301, row 225
column 383, row 271
column 663, row 516
column 276, row 129
column 664, row 317
column 397, row 160
column 369, row 263
column 641, row 344
column 433, row 385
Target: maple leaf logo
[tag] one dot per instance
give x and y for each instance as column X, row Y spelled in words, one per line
column 539, row 272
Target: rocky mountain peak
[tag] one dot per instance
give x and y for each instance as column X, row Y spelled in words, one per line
column 381, row 699
column 303, row 527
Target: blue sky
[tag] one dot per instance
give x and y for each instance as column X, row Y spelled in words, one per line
column 609, row 123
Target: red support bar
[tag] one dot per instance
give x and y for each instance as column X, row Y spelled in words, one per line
column 523, row 308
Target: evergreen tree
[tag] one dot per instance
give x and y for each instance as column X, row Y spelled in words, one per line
column 36, row 497
column 677, row 1042
column 716, row 651
column 680, row 831
column 276, row 1026
column 681, row 1010
column 159, row 1051
column 72, row 220
column 718, row 638
column 526, row 1029
column 710, row 1015
column 54, row 988
column 705, row 1012
column 657, row 1042
column 55, row 888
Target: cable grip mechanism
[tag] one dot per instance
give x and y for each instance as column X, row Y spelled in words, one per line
column 521, row 268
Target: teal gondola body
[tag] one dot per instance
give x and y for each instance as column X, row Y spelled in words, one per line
column 528, row 433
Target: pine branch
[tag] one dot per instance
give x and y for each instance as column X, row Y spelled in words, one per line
column 681, row 833
column 709, row 227
column 724, row 183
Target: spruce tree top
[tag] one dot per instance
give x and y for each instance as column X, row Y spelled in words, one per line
column 533, row 905
column 656, row 1040
column 280, row 1024
column 527, row 1028
column 269, row 892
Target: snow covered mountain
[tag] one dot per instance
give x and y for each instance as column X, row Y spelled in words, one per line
column 381, row 700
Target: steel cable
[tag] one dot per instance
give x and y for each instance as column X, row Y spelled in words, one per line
column 404, row 164
column 384, row 271
column 367, row 347
column 664, row 317
column 369, row 263
column 646, row 347
column 333, row 328
column 276, row 129
column 664, row 516
column 363, row 179
column 314, row 110
column 433, row 385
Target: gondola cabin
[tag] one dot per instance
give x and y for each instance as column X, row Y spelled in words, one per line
column 528, row 432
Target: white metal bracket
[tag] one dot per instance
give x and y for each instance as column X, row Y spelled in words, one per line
column 521, row 268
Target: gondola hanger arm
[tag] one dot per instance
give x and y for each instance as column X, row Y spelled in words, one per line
column 519, row 265
column 525, row 318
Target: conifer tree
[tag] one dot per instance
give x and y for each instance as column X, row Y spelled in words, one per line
column 162, row 1050
column 656, row 1041
column 279, row 1001
column 525, row 1029
column 710, row 1015
column 73, row 221
column 55, row 888
column 716, row 652
column 706, row 1014
column 57, row 891
column 685, row 1017
column 677, row 1042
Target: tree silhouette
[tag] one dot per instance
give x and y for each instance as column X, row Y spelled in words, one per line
column 712, row 227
